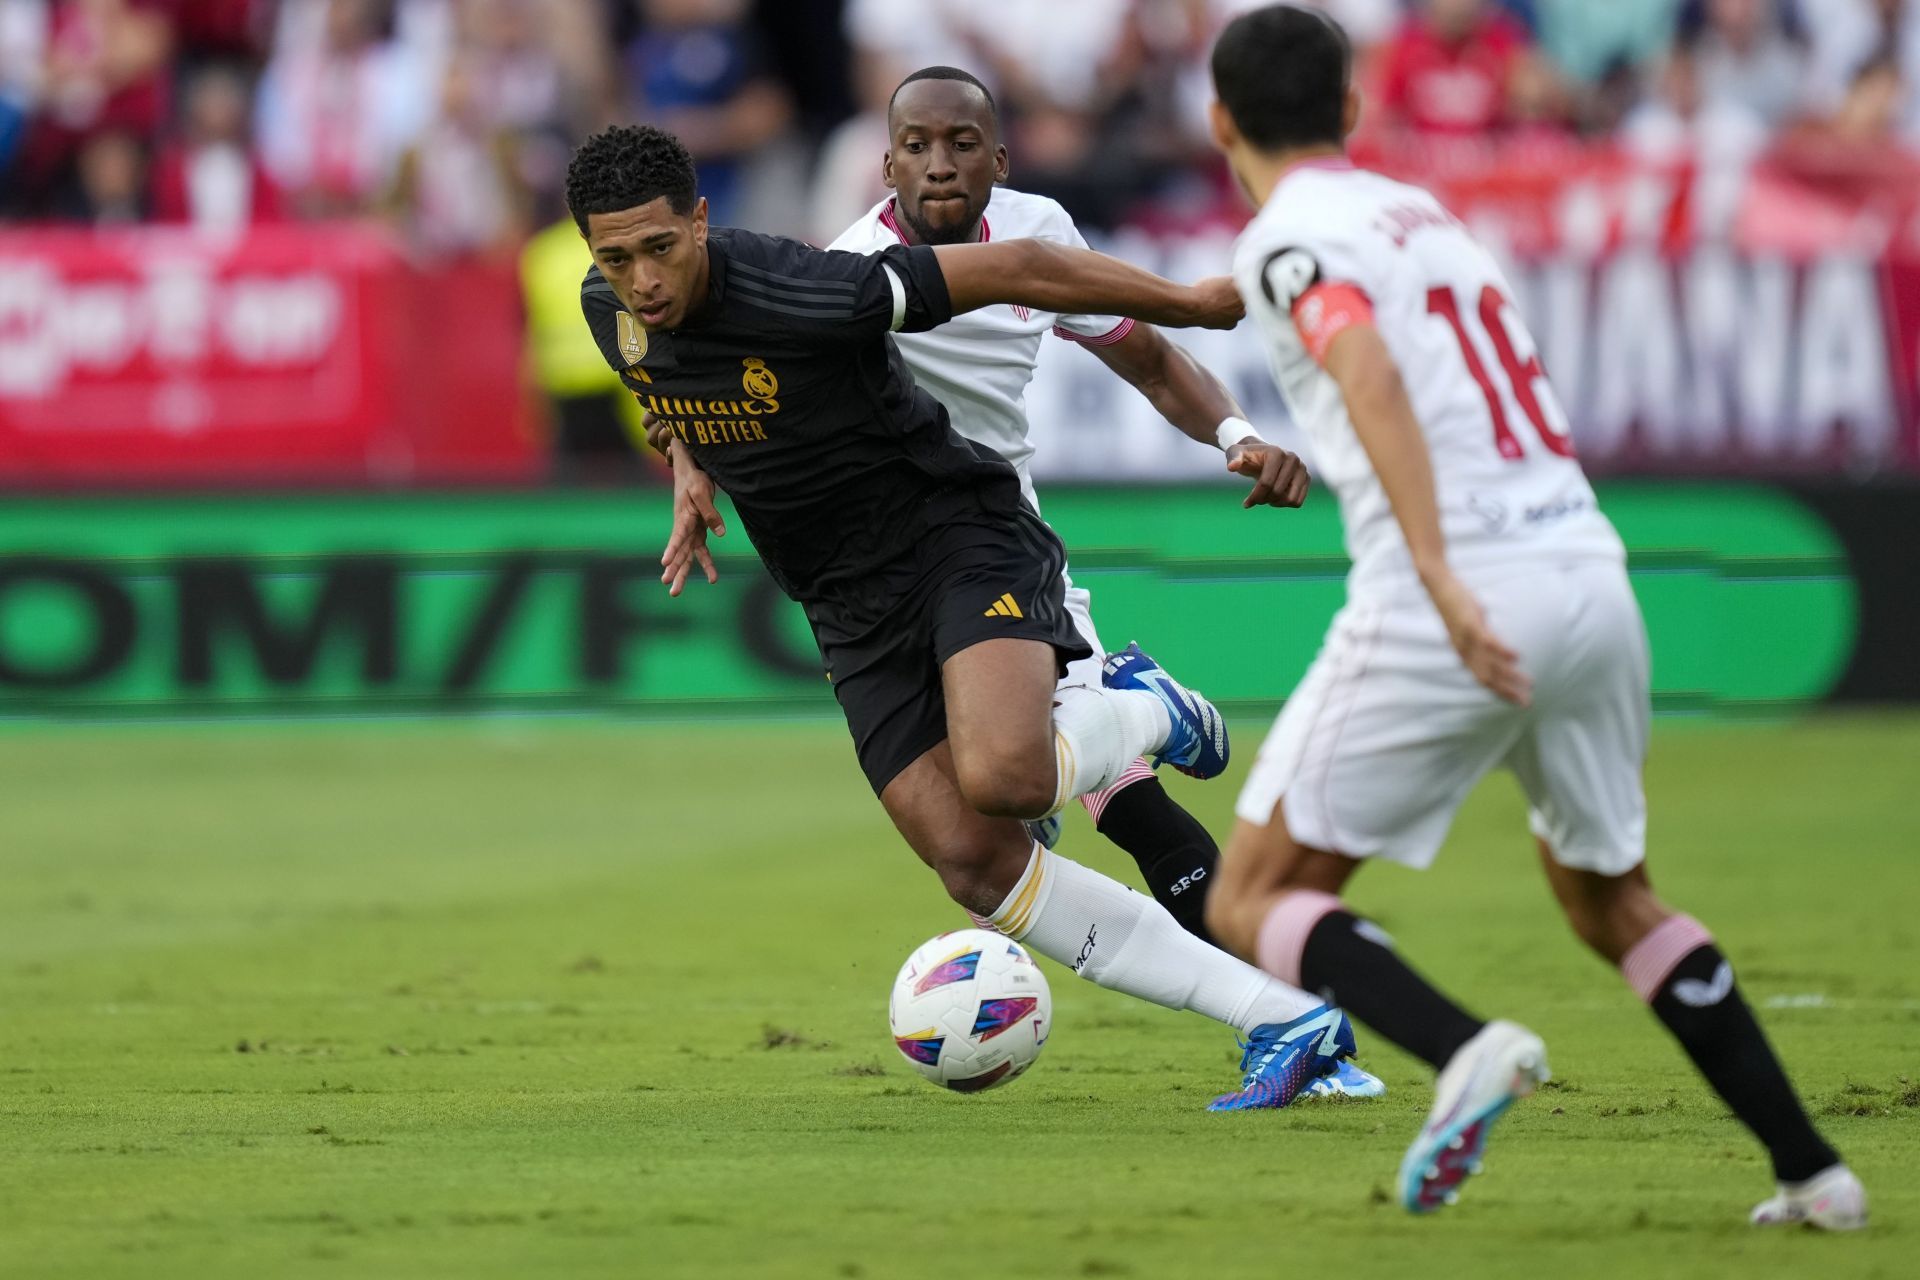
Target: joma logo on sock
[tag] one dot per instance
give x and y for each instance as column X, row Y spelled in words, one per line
column 1086, row 951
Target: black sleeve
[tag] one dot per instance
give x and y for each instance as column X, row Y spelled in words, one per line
column 843, row 296
column 602, row 309
column 928, row 305
column 600, row 305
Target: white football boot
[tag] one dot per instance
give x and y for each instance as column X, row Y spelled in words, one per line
column 1832, row 1200
column 1485, row 1076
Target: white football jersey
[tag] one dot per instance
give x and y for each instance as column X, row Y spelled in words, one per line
column 1504, row 472
column 979, row 364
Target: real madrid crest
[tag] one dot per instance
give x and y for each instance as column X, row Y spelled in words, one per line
column 633, row 339
column 759, row 380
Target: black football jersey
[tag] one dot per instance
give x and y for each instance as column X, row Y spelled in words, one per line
column 788, row 390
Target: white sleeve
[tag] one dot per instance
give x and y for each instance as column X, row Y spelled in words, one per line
column 1288, row 261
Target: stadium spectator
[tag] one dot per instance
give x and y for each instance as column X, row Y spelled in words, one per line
column 1845, row 36
column 221, row 30
column 458, row 190
column 508, row 50
column 211, row 176
column 1679, row 123
column 1745, row 58
column 1862, row 137
column 339, row 105
column 111, row 173
column 104, row 69
column 1679, row 130
column 846, row 174
column 1539, row 114
column 23, row 40
column 697, row 71
column 1447, row 71
column 1592, row 41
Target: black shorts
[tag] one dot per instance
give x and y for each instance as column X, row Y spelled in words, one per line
column 980, row 572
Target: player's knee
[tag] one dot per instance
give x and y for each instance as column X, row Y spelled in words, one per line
column 1006, row 784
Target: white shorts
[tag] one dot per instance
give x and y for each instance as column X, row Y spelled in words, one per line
column 1388, row 731
column 1085, row 671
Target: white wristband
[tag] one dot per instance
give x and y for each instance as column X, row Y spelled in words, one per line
column 1231, row 432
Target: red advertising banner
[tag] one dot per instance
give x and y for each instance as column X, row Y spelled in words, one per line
column 299, row 354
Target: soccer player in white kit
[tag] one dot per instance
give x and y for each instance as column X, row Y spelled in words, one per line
column 1489, row 622
column 945, row 163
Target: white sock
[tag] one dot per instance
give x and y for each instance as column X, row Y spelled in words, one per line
column 1125, row 941
column 1097, row 733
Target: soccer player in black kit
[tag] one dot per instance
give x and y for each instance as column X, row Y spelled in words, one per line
column 933, row 591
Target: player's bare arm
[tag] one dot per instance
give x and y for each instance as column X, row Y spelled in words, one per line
column 1059, row 278
column 1383, row 418
column 1189, row 396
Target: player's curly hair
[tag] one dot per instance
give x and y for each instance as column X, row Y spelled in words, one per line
column 627, row 165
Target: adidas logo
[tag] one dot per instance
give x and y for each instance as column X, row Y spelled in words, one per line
column 1004, row 607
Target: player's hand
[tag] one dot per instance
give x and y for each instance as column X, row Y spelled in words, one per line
column 1491, row 662
column 659, row 435
column 1279, row 477
column 1216, row 304
column 694, row 515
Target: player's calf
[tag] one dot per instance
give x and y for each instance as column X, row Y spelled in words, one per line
column 978, row 859
column 1176, row 856
column 1673, row 963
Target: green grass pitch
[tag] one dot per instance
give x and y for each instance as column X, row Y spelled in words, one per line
column 509, row 998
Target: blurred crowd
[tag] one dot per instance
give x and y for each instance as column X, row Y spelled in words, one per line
column 454, row 118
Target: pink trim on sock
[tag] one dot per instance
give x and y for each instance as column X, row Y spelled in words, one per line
column 981, row 922
column 1652, row 960
column 1283, row 934
column 1096, row 801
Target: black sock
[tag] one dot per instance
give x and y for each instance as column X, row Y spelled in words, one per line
column 1707, row 1015
column 1352, row 963
column 1175, row 853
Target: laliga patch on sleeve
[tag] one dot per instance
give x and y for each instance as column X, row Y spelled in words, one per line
column 1325, row 311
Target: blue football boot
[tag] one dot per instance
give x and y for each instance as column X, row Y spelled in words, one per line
column 1198, row 744
column 1282, row 1058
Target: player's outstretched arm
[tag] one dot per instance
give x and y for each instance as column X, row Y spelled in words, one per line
column 1383, row 418
column 1060, row 278
column 1189, row 396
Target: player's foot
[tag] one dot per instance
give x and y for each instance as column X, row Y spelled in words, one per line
column 1488, row 1074
column 1046, row 831
column 1281, row 1058
column 1346, row 1081
column 1198, row 743
column 1832, row 1200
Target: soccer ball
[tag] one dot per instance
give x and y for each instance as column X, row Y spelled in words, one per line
column 970, row 1010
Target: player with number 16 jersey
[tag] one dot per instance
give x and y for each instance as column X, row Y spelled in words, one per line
column 1489, row 624
column 1336, row 245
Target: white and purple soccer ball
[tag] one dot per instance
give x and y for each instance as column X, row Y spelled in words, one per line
column 970, row 1010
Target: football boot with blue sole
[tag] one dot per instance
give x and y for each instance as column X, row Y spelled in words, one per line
column 1282, row 1058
